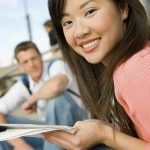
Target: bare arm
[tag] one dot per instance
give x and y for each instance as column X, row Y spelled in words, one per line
column 121, row 141
column 2, row 118
column 90, row 133
column 51, row 88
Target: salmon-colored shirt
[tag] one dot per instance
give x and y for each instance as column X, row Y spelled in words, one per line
column 132, row 90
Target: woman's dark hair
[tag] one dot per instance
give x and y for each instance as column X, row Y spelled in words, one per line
column 96, row 81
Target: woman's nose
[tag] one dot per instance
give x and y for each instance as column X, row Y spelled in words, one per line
column 81, row 30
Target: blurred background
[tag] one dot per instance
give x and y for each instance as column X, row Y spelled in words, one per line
column 20, row 20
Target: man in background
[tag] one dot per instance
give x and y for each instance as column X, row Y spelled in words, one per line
column 44, row 89
column 52, row 38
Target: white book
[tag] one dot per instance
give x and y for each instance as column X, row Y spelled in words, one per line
column 11, row 131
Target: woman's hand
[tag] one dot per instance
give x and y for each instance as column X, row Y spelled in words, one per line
column 88, row 134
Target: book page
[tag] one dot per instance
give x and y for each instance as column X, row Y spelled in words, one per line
column 11, row 131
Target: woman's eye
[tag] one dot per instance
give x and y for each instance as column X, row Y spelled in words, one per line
column 90, row 11
column 66, row 23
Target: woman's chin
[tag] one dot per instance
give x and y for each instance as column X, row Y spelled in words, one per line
column 93, row 61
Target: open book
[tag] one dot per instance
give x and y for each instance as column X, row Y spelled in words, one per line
column 11, row 131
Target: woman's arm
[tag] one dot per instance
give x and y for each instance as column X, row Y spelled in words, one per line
column 121, row 141
column 90, row 133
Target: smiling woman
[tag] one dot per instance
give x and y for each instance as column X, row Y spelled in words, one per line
column 106, row 43
column 90, row 25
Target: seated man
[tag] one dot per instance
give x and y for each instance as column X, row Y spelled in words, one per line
column 52, row 38
column 48, row 88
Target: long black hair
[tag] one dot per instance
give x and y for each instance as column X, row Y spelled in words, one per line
column 96, row 81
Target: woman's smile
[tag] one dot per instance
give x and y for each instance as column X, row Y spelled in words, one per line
column 94, row 29
column 90, row 45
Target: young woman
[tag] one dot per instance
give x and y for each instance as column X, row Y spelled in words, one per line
column 106, row 43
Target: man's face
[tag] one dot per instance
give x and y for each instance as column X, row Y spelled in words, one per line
column 30, row 62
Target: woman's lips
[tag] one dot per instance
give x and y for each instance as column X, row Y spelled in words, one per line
column 90, row 45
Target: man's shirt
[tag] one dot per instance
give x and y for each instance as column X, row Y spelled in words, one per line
column 18, row 93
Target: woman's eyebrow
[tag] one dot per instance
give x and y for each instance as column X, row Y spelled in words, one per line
column 81, row 6
column 65, row 15
column 85, row 3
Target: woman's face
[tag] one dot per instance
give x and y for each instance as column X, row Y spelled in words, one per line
column 93, row 27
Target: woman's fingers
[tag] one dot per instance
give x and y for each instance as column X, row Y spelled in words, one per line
column 61, row 138
column 77, row 126
column 86, row 135
column 62, row 143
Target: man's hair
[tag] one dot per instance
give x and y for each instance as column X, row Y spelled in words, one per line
column 24, row 46
column 48, row 23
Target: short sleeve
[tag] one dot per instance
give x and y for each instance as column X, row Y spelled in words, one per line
column 147, row 146
column 13, row 98
column 60, row 67
column 132, row 88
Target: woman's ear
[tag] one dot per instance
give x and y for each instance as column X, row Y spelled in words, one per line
column 124, row 10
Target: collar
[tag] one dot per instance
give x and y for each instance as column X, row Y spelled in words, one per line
column 43, row 78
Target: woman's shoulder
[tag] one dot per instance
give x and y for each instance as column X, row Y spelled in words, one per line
column 136, row 66
column 137, row 60
column 145, row 52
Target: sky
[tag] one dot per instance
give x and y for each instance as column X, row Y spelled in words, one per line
column 13, row 26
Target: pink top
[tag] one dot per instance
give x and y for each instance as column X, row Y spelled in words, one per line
column 132, row 90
